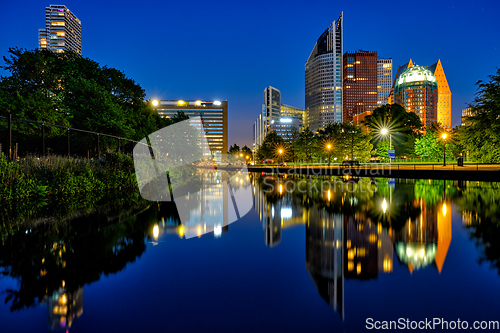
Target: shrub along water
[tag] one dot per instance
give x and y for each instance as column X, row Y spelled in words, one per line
column 34, row 177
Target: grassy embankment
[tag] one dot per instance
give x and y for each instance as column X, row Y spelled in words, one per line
column 34, row 177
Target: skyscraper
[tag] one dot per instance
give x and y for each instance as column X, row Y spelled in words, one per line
column 444, row 95
column 323, row 78
column 416, row 90
column 278, row 117
column 384, row 80
column 62, row 30
column 359, row 83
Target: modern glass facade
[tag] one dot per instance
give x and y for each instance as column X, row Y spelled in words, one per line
column 275, row 116
column 416, row 90
column 323, row 78
column 62, row 30
column 359, row 83
column 213, row 115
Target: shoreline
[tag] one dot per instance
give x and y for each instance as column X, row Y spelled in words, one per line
column 489, row 173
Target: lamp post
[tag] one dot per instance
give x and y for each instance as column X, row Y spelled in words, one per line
column 329, row 146
column 281, row 153
column 384, row 132
column 444, row 136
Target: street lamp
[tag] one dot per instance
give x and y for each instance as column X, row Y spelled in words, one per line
column 384, row 132
column 155, row 102
column 280, row 151
column 329, row 146
column 444, row 136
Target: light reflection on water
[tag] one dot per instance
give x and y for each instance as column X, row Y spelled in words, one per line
column 354, row 230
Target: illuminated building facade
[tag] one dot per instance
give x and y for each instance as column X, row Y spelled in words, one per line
column 62, row 30
column 323, row 78
column 384, row 80
column 358, row 119
column 466, row 113
column 416, row 90
column 213, row 115
column 284, row 119
column 400, row 70
column 444, row 95
column 359, row 83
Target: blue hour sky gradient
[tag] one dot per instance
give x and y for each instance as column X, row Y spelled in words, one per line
column 232, row 50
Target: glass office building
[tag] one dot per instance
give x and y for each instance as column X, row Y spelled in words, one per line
column 213, row 116
column 323, row 78
column 276, row 116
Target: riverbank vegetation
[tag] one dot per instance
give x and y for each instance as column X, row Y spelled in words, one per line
column 39, row 177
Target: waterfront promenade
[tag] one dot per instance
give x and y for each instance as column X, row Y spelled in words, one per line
column 479, row 172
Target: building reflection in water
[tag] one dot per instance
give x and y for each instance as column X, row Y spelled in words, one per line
column 64, row 307
column 345, row 236
column 52, row 261
column 426, row 239
column 324, row 252
column 223, row 199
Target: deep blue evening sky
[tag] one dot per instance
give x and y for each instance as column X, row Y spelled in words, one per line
column 232, row 50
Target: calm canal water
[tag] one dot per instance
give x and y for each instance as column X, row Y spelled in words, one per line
column 311, row 254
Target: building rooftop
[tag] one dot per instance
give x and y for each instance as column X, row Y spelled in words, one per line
column 415, row 74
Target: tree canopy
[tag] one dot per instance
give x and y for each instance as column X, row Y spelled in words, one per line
column 481, row 138
column 69, row 90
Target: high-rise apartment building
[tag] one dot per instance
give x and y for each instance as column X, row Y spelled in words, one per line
column 62, row 30
column 359, row 83
column 416, row 90
column 444, row 95
column 323, row 78
column 213, row 116
column 384, row 80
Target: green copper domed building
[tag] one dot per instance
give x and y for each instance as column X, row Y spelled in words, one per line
column 416, row 90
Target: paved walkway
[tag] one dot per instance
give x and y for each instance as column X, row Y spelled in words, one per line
column 395, row 166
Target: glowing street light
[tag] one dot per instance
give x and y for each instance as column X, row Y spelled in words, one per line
column 384, row 131
column 280, row 152
column 444, row 136
column 155, row 102
column 329, row 147
column 384, row 206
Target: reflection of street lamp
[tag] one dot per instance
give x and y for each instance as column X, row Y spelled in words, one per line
column 329, row 146
column 384, row 132
column 444, row 136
